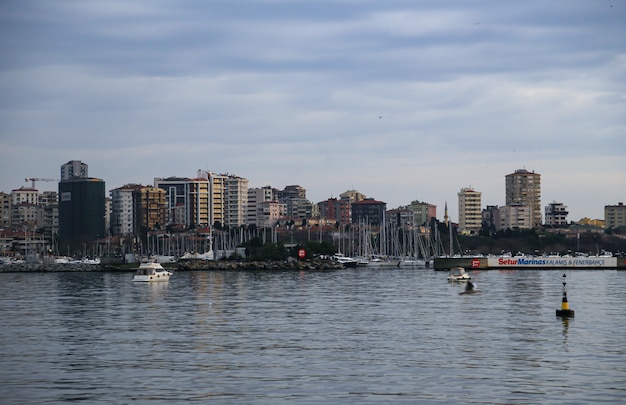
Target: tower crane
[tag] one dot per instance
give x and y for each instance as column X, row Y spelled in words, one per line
column 35, row 179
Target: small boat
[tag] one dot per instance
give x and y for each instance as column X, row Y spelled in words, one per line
column 345, row 260
column 151, row 271
column 458, row 274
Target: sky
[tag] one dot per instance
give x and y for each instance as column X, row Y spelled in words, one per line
column 400, row 100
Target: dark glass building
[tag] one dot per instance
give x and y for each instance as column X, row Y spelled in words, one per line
column 81, row 211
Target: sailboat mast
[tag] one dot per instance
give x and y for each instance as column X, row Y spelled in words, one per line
column 451, row 246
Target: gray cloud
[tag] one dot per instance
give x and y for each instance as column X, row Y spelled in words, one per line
column 285, row 92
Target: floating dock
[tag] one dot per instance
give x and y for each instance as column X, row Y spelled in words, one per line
column 530, row 262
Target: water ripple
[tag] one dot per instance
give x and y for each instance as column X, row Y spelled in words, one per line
column 355, row 336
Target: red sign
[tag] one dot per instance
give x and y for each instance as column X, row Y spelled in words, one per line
column 301, row 253
column 475, row 263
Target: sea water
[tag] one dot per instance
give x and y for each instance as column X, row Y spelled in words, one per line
column 362, row 336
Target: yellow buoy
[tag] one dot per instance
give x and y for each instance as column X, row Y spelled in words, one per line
column 564, row 312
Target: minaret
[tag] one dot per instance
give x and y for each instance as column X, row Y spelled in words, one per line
column 445, row 214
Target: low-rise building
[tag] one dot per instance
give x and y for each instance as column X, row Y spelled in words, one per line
column 556, row 214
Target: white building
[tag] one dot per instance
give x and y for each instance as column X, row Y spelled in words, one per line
column 470, row 211
column 256, row 196
column 24, row 195
column 269, row 212
column 25, row 212
column 515, row 216
column 123, row 210
column 236, row 201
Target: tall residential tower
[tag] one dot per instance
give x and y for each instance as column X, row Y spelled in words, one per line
column 470, row 211
column 523, row 188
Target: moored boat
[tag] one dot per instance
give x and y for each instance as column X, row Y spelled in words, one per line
column 412, row 263
column 345, row 260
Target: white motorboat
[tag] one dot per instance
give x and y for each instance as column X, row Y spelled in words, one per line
column 458, row 274
column 151, row 271
column 345, row 260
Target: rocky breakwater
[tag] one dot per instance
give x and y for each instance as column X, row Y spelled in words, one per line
column 316, row 265
column 55, row 267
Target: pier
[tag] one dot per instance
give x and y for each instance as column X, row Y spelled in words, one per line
column 530, row 262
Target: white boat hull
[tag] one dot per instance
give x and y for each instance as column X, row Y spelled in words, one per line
column 458, row 274
column 160, row 276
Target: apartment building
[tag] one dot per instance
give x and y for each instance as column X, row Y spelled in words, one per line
column 206, row 200
column 369, row 212
column 470, row 211
column 268, row 213
column 401, row 217
column 24, row 209
column 5, row 211
column 524, row 188
column 422, row 212
column 236, row 192
column 257, row 196
column 74, row 168
column 187, row 200
column 555, row 214
column 615, row 216
column 515, row 216
column 123, row 210
column 352, row 196
column 491, row 217
column 335, row 210
column 150, row 208
column 294, row 198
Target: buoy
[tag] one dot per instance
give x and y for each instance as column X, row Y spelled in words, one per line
column 564, row 312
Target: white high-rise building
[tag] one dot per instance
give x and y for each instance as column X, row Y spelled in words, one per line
column 236, row 201
column 123, row 210
column 228, row 198
column 257, row 196
column 470, row 211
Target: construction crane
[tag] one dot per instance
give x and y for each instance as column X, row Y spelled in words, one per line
column 35, row 179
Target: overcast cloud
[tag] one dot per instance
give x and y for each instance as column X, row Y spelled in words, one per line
column 401, row 100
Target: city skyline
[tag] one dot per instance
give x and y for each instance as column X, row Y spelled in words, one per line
column 442, row 212
column 402, row 101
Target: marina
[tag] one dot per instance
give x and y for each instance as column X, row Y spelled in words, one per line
column 523, row 262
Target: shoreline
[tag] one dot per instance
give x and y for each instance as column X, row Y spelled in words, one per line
column 187, row 265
